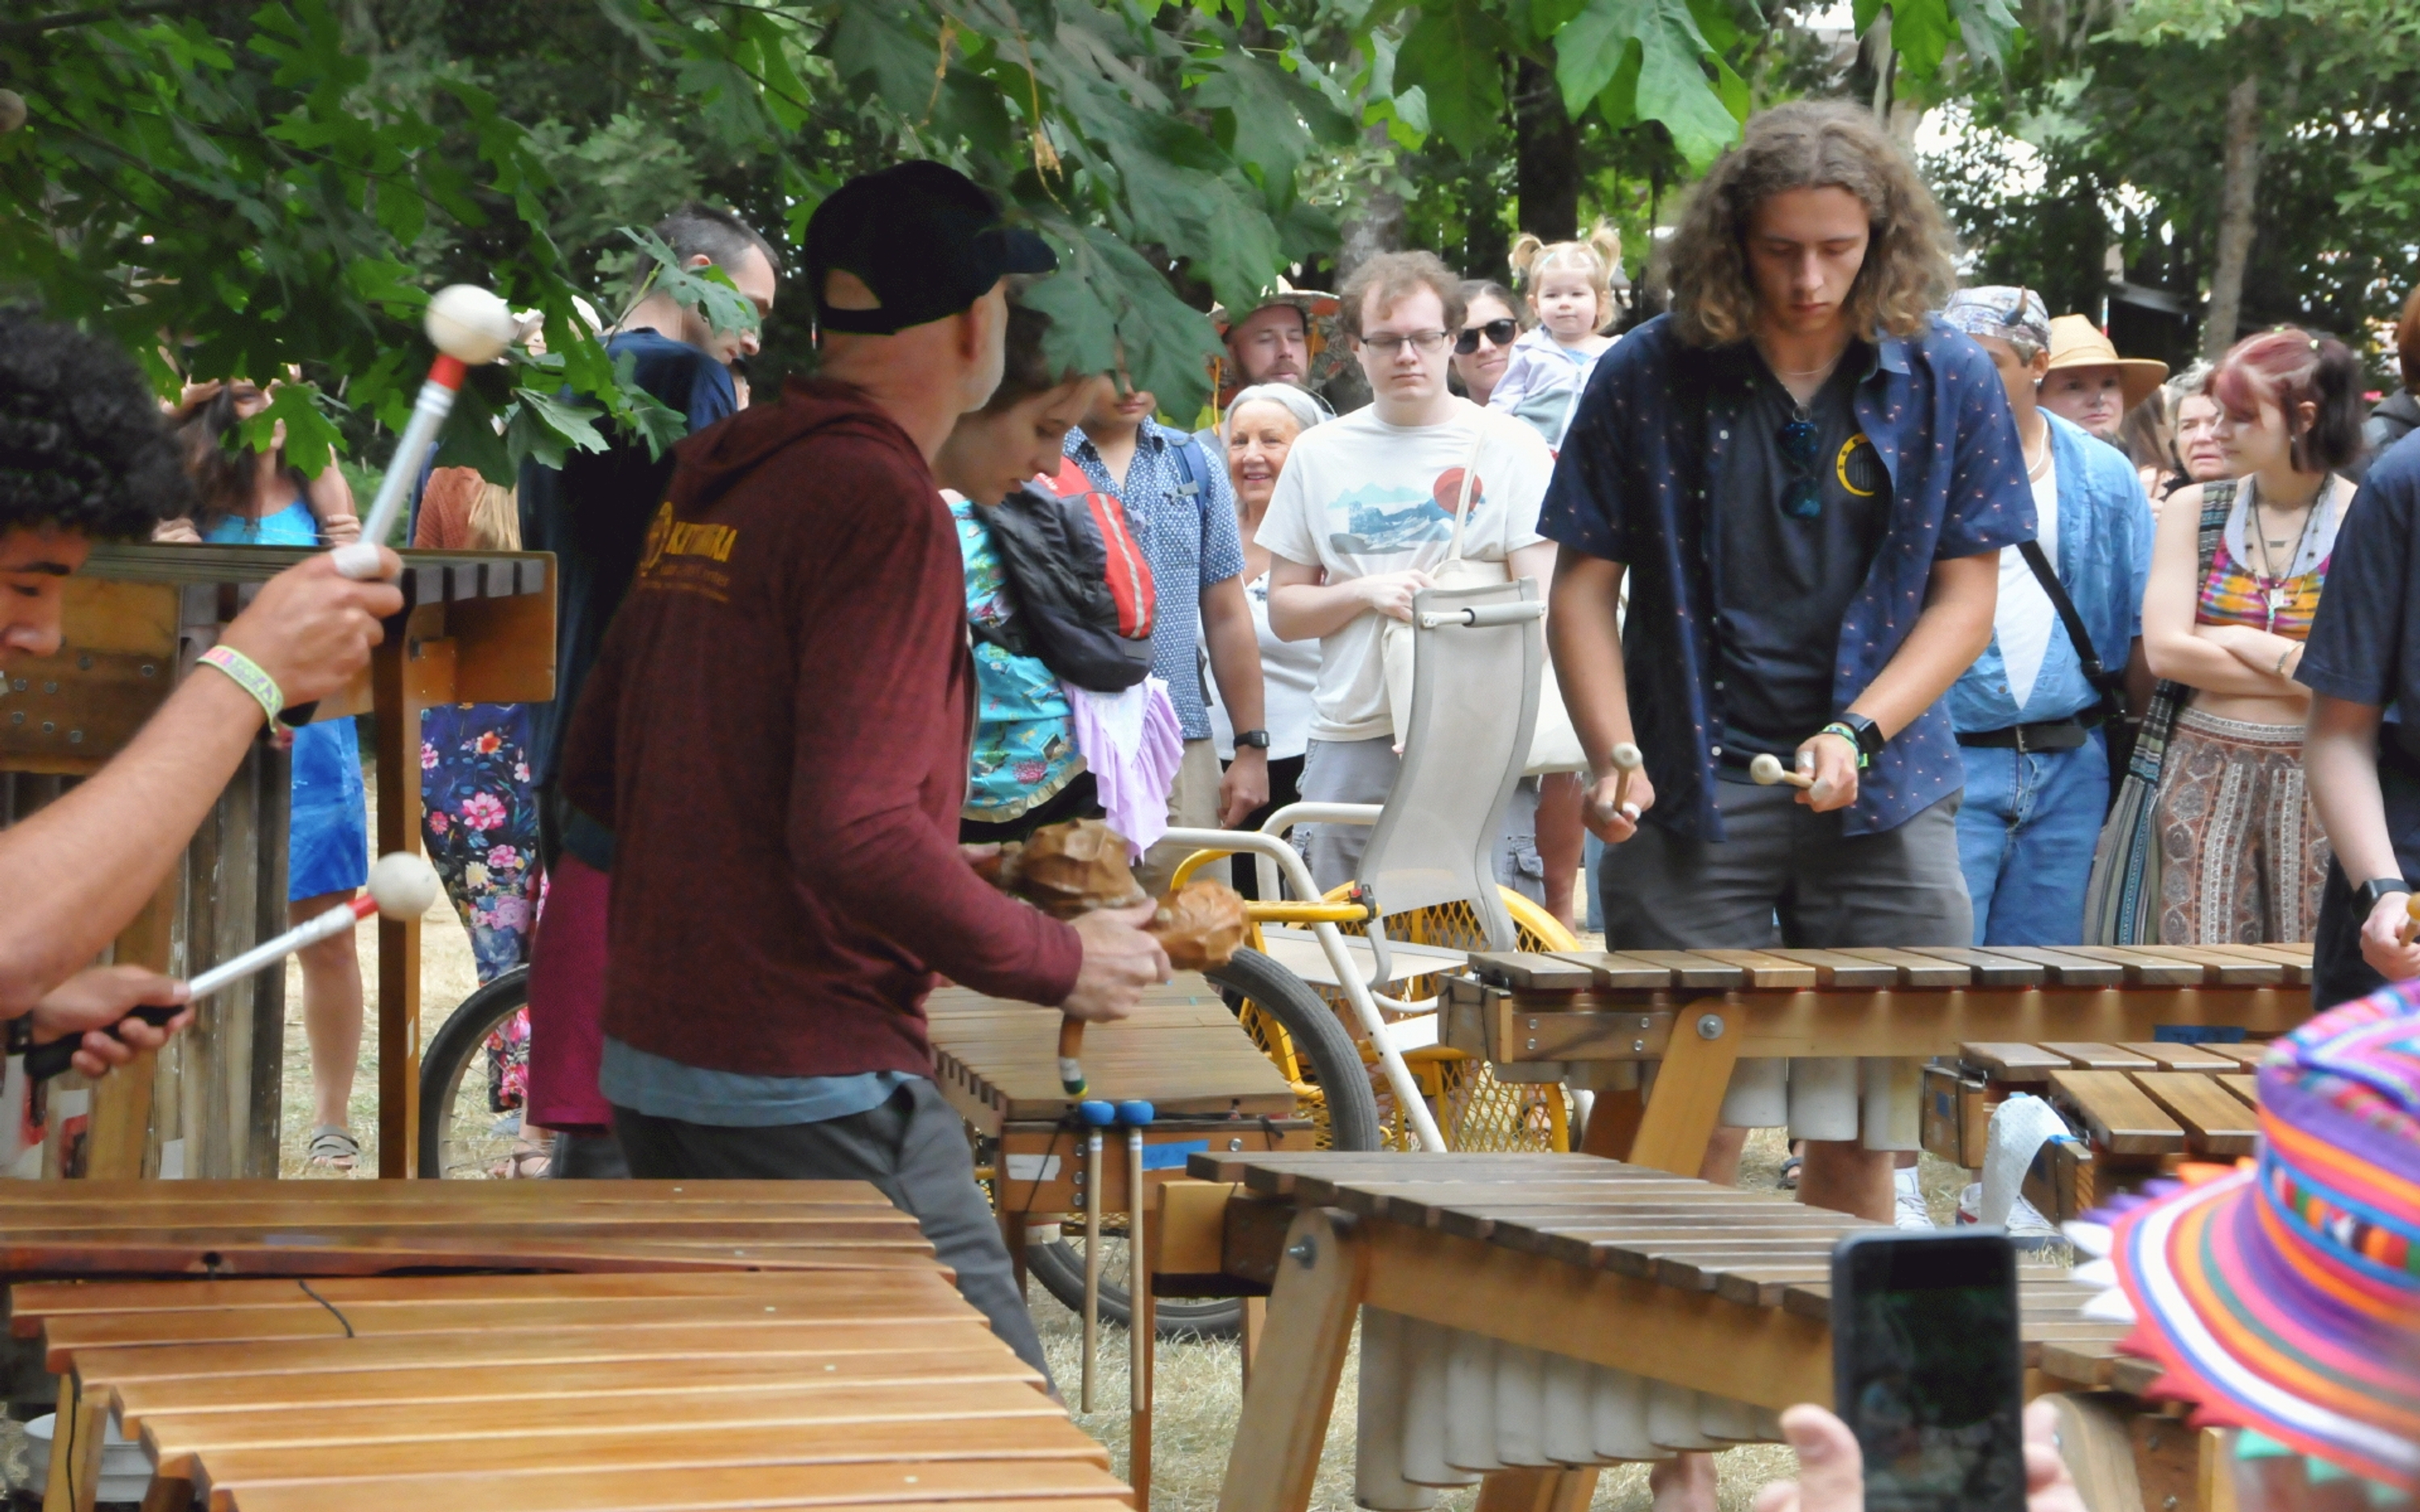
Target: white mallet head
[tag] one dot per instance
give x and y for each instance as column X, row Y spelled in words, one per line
column 403, row 884
column 1765, row 770
column 470, row 324
column 1627, row 757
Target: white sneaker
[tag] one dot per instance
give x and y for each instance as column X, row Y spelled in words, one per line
column 1911, row 1211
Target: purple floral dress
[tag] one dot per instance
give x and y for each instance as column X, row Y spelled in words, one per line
column 479, row 817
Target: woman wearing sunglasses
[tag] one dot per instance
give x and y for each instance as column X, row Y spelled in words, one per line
column 1491, row 323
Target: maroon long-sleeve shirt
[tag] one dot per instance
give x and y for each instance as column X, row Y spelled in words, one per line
column 777, row 731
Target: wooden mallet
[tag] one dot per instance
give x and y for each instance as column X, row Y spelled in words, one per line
column 402, row 886
column 1768, row 771
column 1627, row 760
column 1071, row 1053
column 2411, row 919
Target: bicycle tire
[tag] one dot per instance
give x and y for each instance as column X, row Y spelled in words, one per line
column 1318, row 1038
column 453, row 1052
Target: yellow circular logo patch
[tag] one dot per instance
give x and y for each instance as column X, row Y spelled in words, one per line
column 1858, row 467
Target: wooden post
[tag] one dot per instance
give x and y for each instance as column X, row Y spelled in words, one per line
column 274, row 781
column 1320, row 1283
column 121, row 1102
column 76, row 1437
column 1688, row 1096
column 398, row 954
column 1613, row 1125
column 1537, row 1491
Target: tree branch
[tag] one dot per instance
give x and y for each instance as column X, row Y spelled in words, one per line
column 64, row 18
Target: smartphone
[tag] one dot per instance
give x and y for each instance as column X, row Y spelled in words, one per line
column 1927, row 1370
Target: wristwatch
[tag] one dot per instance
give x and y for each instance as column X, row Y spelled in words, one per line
column 1258, row 739
column 1860, row 731
column 2377, row 887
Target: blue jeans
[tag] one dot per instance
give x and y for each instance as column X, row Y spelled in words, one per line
column 2024, row 840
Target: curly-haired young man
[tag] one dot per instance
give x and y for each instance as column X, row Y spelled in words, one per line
column 1806, row 482
column 85, row 456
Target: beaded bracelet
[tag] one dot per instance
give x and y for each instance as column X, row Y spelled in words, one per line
column 248, row 676
column 1849, row 734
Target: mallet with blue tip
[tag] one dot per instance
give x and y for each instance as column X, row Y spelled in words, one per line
column 1095, row 1116
column 1136, row 1115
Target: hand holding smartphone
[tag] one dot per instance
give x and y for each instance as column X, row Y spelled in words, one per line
column 1927, row 1370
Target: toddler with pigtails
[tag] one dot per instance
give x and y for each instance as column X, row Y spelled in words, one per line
column 1570, row 288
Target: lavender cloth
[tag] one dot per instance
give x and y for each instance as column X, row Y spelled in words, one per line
column 1133, row 746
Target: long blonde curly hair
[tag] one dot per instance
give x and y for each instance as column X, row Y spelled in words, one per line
column 1910, row 267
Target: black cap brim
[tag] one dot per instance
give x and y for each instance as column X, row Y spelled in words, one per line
column 1017, row 250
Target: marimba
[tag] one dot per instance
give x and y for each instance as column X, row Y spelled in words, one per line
column 477, row 627
column 1528, row 1319
column 658, row 1344
column 2134, row 1108
column 1182, row 1050
column 1691, row 1015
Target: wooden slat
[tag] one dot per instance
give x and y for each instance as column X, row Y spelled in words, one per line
column 2247, row 1054
column 994, row 1483
column 2179, row 1057
column 2217, row 1122
column 2294, row 960
column 1530, row 971
column 2090, row 1055
column 2247, row 1089
column 1917, row 970
column 2009, row 1062
column 1692, row 970
column 1836, row 970
column 2146, row 968
column 1767, row 972
column 1994, row 968
column 2227, row 968
column 2120, row 1116
column 2067, row 970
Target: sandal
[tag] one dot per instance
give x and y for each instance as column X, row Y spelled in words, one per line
column 1788, row 1182
column 334, row 1149
column 527, row 1163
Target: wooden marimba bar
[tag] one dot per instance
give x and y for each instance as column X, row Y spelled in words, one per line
column 477, row 627
column 1528, row 1318
column 1691, row 1015
column 656, row 1345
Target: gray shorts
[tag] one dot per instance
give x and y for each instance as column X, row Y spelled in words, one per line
column 1363, row 771
column 1787, row 876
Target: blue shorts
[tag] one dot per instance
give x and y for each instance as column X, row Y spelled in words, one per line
column 328, row 835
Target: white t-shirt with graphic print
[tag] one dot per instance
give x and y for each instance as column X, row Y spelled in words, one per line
column 1359, row 497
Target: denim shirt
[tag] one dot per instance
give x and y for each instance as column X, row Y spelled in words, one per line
column 1630, row 486
column 1191, row 540
column 2104, row 559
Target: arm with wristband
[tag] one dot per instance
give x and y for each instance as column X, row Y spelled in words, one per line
column 74, row 874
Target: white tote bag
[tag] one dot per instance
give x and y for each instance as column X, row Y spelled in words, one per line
column 1554, row 745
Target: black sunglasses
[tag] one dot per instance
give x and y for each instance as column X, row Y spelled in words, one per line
column 1800, row 445
column 1498, row 333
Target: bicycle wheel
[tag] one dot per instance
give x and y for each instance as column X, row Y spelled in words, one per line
column 1332, row 1086
column 461, row 1134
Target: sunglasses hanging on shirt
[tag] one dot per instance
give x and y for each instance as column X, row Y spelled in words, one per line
column 1802, row 497
column 1498, row 333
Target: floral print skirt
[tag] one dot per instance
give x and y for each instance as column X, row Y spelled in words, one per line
column 479, row 819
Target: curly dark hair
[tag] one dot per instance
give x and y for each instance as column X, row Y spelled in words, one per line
column 1910, row 265
column 83, row 445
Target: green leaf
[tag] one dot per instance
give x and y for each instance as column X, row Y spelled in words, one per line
column 1921, row 30
column 1670, row 53
column 470, row 438
column 311, row 440
column 548, row 427
column 707, row 289
column 1456, row 55
column 1987, row 27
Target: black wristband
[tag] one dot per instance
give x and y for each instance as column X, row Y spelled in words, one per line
column 21, row 1034
column 1870, row 739
column 1257, row 739
column 2378, row 888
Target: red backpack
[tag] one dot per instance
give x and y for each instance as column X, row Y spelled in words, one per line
column 1125, row 568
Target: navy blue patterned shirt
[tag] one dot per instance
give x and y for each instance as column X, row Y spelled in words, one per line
column 1183, row 514
column 1630, row 485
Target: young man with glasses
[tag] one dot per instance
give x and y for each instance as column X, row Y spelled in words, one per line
column 1806, row 482
column 1365, row 508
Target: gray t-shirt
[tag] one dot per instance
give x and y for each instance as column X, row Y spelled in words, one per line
column 1783, row 583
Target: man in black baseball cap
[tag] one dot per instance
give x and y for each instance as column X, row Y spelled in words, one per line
column 788, row 689
column 920, row 243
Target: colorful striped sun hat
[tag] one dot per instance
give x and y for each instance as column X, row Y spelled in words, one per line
column 2284, row 1296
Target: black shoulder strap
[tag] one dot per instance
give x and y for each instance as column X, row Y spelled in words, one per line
column 2076, row 634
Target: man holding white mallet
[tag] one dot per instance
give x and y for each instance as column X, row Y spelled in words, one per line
column 84, row 456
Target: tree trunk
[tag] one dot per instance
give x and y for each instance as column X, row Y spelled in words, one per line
column 1377, row 224
column 1885, row 59
column 2235, row 227
column 1546, row 156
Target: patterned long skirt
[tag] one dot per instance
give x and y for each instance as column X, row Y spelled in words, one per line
column 479, row 819
column 2242, row 856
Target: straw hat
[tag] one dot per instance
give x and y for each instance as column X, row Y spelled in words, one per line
column 2076, row 342
column 1316, row 306
column 2281, row 1297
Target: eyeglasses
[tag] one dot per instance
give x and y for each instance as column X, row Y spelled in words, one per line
column 1801, row 444
column 1498, row 333
column 1420, row 341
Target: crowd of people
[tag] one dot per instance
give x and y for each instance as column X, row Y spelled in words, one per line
column 2064, row 651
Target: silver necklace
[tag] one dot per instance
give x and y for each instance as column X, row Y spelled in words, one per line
column 2275, row 590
